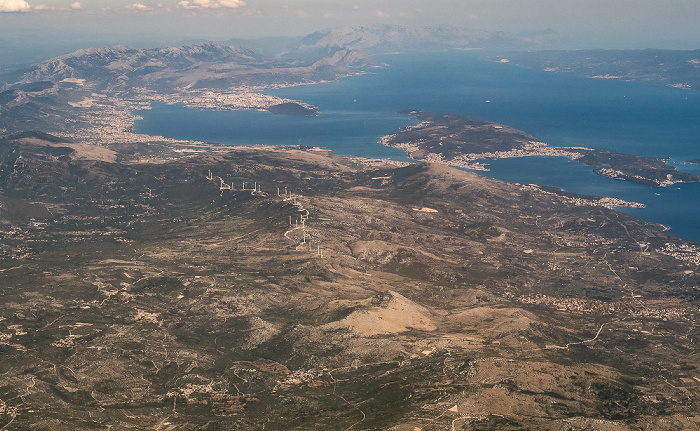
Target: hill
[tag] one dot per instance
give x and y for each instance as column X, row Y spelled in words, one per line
column 236, row 287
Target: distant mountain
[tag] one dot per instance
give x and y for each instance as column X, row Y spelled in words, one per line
column 269, row 46
column 378, row 39
column 20, row 47
column 659, row 66
column 206, row 65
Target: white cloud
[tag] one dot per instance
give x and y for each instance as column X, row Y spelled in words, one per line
column 211, row 4
column 139, row 7
column 232, row 3
column 23, row 6
column 14, row 6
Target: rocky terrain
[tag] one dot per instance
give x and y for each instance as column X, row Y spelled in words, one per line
column 281, row 288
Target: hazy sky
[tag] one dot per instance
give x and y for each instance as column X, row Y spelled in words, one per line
column 620, row 23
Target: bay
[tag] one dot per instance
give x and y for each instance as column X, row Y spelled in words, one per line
column 562, row 110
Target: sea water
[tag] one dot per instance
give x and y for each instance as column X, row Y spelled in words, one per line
column 559, row 109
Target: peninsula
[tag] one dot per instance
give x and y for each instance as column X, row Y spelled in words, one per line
column 468, row 142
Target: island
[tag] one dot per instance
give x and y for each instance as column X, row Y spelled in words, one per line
column 468, row 142
column 293, row 108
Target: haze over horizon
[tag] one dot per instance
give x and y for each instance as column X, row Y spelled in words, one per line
column 591, row 24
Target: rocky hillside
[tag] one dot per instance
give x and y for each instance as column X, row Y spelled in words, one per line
column 254, row 289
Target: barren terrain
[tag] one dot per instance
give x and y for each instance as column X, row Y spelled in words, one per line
column 191, row 286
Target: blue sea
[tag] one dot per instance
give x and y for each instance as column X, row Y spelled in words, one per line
column 559, row 109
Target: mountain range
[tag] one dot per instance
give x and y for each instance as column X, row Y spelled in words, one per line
column 208, row 65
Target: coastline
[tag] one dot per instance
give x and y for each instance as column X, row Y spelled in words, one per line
column 110, row 118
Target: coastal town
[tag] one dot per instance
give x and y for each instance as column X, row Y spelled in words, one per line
column 108, row 117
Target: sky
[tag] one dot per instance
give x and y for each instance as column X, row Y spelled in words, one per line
column 598, row 23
